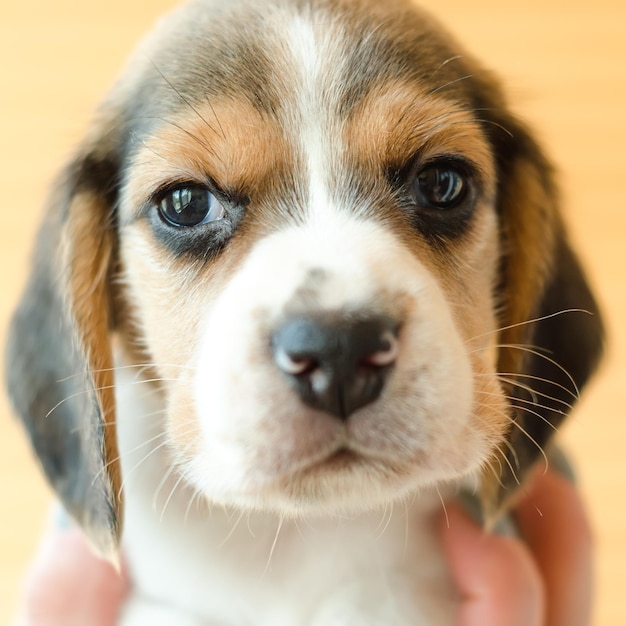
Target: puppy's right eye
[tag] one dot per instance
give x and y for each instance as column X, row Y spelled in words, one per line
column 190, row 205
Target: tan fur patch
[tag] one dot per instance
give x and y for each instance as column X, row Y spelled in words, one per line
column 86, row 250
column 228, row 141
column 397, row 121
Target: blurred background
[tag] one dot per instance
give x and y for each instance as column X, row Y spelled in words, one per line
column 564, row 63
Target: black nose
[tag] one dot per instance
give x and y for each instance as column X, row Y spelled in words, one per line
column 337, row 365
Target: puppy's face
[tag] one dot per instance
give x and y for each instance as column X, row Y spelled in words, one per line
column 329, row 235
column 354, row 208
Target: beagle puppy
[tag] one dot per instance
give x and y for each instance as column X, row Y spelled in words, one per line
column 305, row 277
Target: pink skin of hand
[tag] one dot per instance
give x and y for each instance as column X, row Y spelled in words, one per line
column 544, row 581
column 67, row 584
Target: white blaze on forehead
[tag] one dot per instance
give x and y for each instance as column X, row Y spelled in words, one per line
column 314, row 55
column 305, row 48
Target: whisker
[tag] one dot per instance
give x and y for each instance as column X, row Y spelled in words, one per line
column 546, row 358
column 513, row 399
column 532, row 439
column 155, row 495
column 232, row 530
column 504, row 129
column 386, row 518
column 474, row 120
column 534, row 396
column 432, row 92
column 513, row 451
column 296, row 524
column 406, row 529
column 541, row 417
column 186, row 100
column 497, row 474
column 456, row 57
column 191, row 174
column 145, row 458
column 430, row 122
column 119, row 456
column 217, row 119
column 443, row 506
column 505, row 378
column 510, row 466
column 529, row 346
column 250, row 531
column 271, row 554
column 534, row 391
column 527, row 322
column 142, row 416
column 108, row 387
column 426, row 133
column 169, row 498
column 194, row 498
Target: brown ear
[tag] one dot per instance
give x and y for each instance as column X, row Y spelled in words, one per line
column 545, row 363
column 58, row 359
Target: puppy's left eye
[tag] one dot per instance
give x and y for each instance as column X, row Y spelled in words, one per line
column 190, row 206
column 440, row 186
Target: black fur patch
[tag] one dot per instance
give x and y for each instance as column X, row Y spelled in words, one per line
column 51, row 388
column 568, row 345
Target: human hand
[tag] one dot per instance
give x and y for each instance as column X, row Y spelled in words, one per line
column 69, row 585
column 545, row 580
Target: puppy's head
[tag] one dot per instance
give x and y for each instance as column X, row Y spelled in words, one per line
column 337, row 249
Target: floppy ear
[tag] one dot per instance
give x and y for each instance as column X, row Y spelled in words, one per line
column 58, row 359
column 545, row 363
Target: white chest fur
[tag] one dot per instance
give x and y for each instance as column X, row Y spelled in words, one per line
column 196, row 564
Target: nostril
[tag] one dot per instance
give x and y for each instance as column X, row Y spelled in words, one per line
column 388, row 352
column 293, row 365
column 301, row 345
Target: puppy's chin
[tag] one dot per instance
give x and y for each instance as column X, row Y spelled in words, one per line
column 339, row 483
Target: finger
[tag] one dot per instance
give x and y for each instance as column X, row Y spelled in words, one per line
column 552, row 519
column 496, row 577
column 68, row 585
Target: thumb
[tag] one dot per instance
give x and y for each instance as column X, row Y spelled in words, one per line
column 67, row 584
column 496, row 577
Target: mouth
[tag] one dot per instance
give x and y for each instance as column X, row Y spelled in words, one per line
column 342, row 454
column 345, row 463
column 338, row 461
column 343, row 467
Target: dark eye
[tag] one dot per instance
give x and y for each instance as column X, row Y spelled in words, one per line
column 440, row 186
column 189, row 206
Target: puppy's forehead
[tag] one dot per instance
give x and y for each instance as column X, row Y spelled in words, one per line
column 249, row 87
column 259, row 50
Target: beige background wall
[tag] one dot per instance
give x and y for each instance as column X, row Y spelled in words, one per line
column 565, row 63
